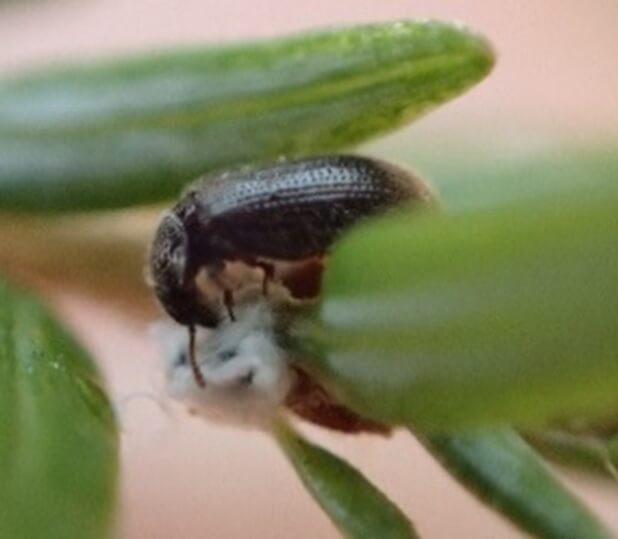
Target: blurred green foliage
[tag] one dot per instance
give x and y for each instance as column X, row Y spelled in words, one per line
column 58, row 441
column 429, row 317
column 135, row 131
column 354, row 505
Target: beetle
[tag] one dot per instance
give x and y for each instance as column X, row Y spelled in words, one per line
column 286, row 212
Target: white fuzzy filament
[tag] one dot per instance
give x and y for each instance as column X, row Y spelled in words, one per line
column 246, row 373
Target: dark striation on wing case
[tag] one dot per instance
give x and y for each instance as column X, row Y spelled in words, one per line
column 290, row 211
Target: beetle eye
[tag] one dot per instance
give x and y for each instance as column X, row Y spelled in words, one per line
column 169, row 252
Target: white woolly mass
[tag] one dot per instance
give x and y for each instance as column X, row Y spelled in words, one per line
column 246, row 373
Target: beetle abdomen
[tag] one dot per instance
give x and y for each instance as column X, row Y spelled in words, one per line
column 295, row 210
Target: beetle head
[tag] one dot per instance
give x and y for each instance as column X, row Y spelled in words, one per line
column 174, row 277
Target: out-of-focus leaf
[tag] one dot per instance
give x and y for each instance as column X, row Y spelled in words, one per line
column 489, row 178
column 505, row 473
column 136, row 131
column 100, row 255
column 356, row 507
column 597, row 454
column 58, row 442
column 506, row 313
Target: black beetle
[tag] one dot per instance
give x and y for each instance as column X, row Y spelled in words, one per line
column 290, row 211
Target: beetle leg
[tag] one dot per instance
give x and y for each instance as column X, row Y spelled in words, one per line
column 228, row 301
column 215, row 274
column 268, row 269
column 269, row 275
column 195, row 368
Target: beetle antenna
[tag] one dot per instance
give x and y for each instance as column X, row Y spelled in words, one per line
column 197, row 374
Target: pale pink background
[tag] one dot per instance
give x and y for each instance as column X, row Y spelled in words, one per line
column 557, row 78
